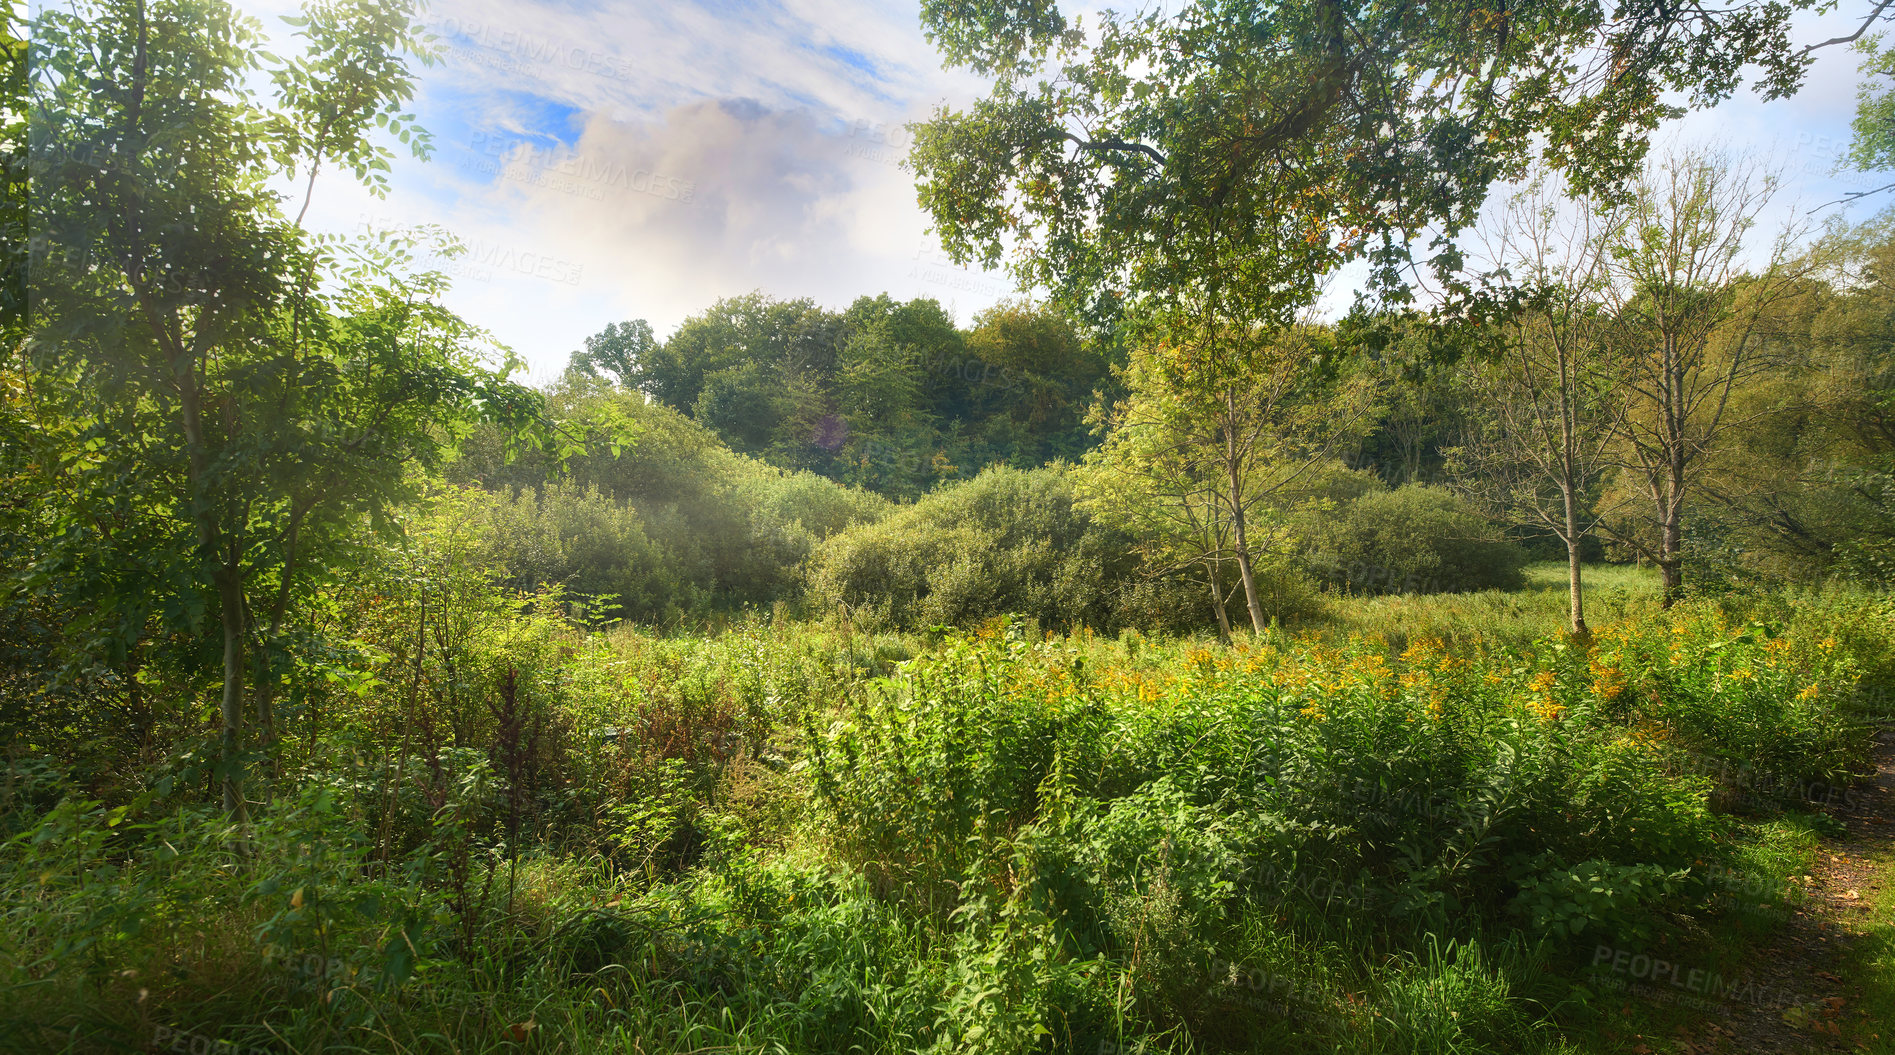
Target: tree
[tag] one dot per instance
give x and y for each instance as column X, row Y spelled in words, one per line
column 1809, row 487
column 1029, row 369
column 617, row 352
column 1219, row 161
column 1243, row 151
column 1686, row 328
column 752, row 328
column 1222, row 446
column 1538, row 444
column 245, row 395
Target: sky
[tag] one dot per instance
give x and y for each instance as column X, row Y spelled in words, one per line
column 605, row 161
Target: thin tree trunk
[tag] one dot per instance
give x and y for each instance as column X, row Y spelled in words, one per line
column 1671, row 541
column 230, row 601
column 1569, row 499
column 1217, row 601
column 1575, row 585
column 227, row 575
column 1239, row 528
column 1671, row 548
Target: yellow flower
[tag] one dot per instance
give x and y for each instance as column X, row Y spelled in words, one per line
column 1808, row 693
column 1607, row 682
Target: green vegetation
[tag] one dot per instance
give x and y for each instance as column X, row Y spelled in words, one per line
column 820, row 837
column 1147, row 670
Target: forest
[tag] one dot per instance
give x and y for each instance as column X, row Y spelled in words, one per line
column 1147, row 663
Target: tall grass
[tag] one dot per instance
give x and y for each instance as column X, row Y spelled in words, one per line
column 1410, row 830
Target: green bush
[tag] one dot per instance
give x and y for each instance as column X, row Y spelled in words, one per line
column 1006, row 542
column 1415, row 539
column 592, row 545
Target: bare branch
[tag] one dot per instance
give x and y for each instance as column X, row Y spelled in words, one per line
column 1881, row 8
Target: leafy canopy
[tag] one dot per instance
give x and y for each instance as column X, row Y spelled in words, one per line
column 1239, row 150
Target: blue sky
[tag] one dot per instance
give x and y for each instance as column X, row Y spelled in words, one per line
column 639, row 160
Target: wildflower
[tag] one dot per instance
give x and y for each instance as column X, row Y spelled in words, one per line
column 1607, row 682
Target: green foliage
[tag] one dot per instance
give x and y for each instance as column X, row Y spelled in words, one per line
column 1415, row 538
column 1242, row 152
column 988, row 842
column 673, row 524
column 1612, row 901
column 1006, row 542
column 888, row 396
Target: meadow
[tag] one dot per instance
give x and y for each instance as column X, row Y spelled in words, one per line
column 1154, row 661
column 1428, row 824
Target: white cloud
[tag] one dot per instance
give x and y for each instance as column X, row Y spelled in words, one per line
column 571, row 132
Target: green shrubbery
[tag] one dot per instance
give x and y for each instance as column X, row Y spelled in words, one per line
column 1414, row 539
column 1007, row 542
column 820, row 839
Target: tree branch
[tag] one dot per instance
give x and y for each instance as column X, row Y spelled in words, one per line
column 1881, row 8
column 1098, row 145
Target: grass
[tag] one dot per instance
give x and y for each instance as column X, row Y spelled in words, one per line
column 1870, row 965
column 1614, row 593
column 1408, row 831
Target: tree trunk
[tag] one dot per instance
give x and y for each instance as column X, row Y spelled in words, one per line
column 1239, row 529
column 230, row 601
column 1671, row 541
column 1217, row 601
column 1575, row 588
column 1671, row 551
column 227, row 573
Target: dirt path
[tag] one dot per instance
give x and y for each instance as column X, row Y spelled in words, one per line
column 1812, row 992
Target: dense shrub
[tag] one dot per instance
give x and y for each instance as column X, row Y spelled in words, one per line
column 1414, row 539
column 810, row 839
column 594, row 546
column 671, row 527
column 1008, row 541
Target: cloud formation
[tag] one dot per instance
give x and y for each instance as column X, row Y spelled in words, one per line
column 665, row 154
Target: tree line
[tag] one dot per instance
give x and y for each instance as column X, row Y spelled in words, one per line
column 213, row 414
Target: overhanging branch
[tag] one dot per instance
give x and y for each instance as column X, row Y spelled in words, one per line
column 1102, row 145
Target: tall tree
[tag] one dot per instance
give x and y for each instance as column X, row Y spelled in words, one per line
column 1221, row 160
column 1244, row 150
column 1688, row 310
column 617, row 352
column 1538, row 442
column 247, row 393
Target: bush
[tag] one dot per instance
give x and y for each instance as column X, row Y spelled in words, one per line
column 1006, row 542
column 591, row 544
column 1415, row 539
